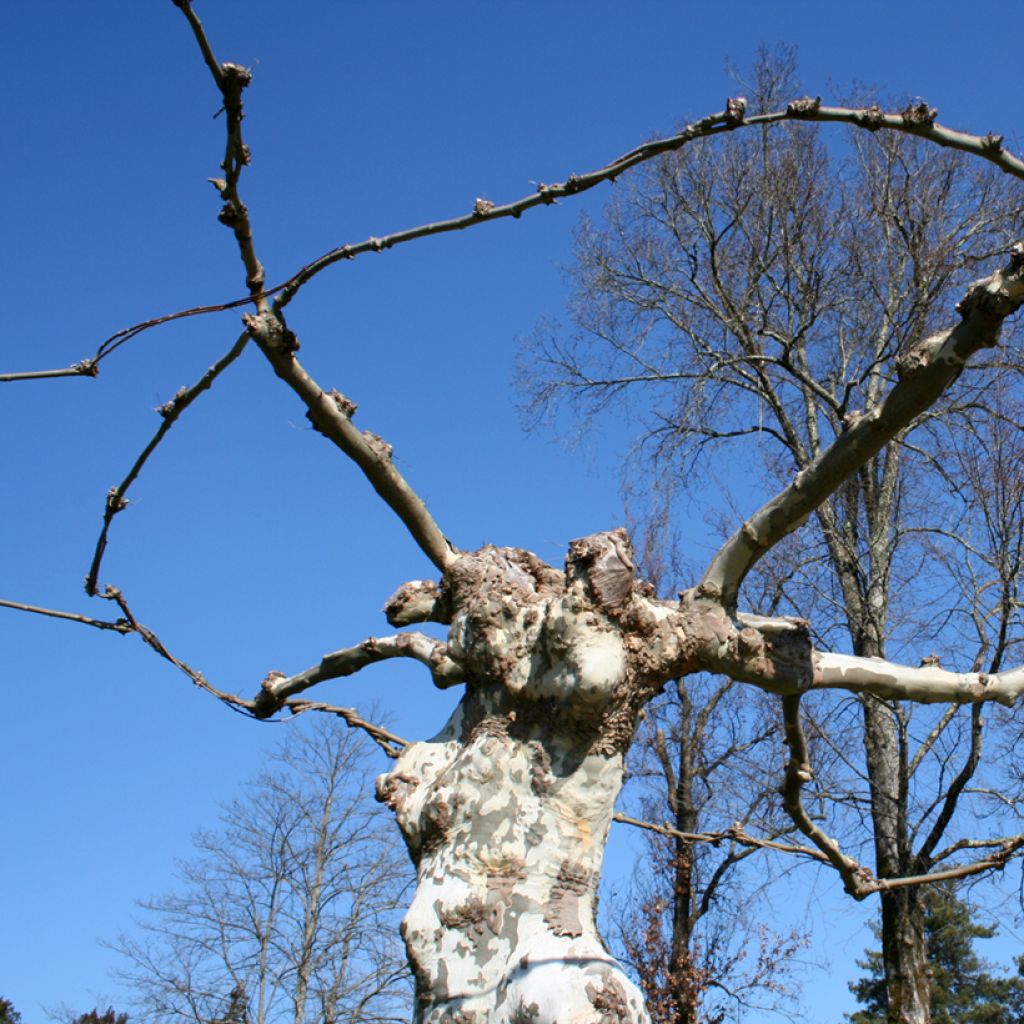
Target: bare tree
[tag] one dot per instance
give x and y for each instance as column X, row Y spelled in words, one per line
column 760, row 292
column 689, row 928
column 289, row 909
column 506, row 811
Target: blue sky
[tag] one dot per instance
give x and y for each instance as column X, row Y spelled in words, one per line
column 250, row 544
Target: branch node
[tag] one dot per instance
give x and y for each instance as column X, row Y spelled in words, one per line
column 169, row 407
column 269, row 330
column 230, row 214
column 236, row 76
column 116, row 502
column 378, row 445
column 345, row 405
column 735, row 109
column 872, row 117
column 482, row 207
column 992, row 143
column 806, row 107
column 919, row 115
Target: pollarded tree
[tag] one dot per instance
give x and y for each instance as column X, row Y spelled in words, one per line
column 505, row 812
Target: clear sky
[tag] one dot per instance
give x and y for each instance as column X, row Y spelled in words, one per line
column 250, row 545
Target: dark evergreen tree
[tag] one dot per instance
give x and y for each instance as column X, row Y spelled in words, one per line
column 8, row 1014
column 963, row 988
column 96, row 1016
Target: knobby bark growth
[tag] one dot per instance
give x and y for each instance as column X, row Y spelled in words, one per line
column 506, row 811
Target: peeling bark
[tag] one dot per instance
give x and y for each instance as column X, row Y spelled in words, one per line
column 507, row 810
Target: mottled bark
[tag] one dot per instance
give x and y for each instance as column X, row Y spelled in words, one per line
column 507, row 810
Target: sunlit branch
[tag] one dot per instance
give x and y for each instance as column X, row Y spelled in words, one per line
column 86, row 368
column 276, row 688
column 330, row 413
column 925, row 372
column 912, row 121
column 928, row 684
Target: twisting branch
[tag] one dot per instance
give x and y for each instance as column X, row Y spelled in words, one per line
column 419, row 647
column 170, row 411
column 151, row 640
column 330, row 413
column 798, row 774
column 276, row 688
column 925, row 373
column 919, row 121
column 858, row 880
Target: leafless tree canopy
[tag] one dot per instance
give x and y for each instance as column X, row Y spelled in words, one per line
column 293, row 901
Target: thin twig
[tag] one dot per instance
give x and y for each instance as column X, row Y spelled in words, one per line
column 734, row 834
column 121, row 626
column 391, row 744
column 170, row 412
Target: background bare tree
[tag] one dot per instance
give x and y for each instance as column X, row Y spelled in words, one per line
column 291, row 906
column 691, row 925
column 745, row 302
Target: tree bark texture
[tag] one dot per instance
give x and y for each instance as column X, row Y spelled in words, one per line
column 506, row 812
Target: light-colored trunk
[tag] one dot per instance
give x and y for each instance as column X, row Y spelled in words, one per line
column 507, row 811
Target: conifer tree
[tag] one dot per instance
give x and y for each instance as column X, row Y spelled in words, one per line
column 963, row 988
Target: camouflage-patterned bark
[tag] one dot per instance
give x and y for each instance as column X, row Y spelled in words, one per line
column 507, row 811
